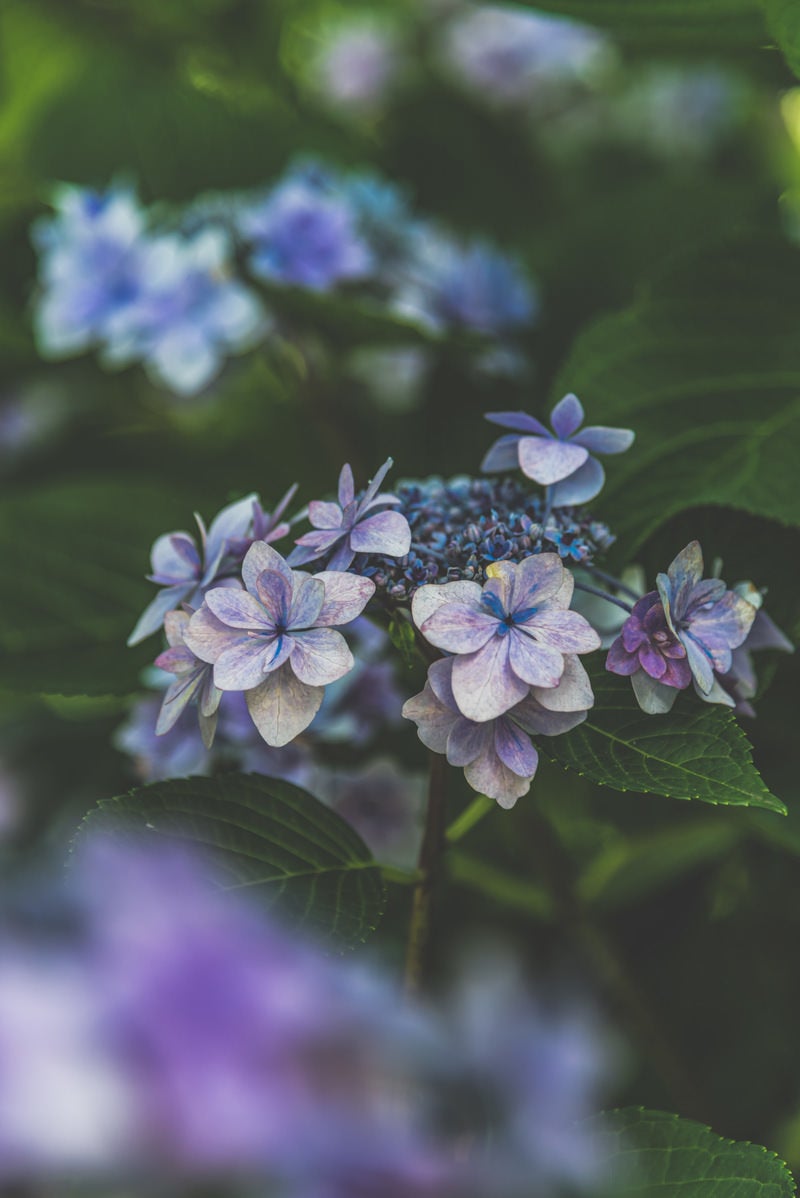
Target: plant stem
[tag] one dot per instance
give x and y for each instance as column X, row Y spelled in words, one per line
column 582, row 586
column 430, row 861
column 469, row 817
column 611, row 581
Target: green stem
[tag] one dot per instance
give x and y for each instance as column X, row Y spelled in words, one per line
column 430, row 862
column 469, row 817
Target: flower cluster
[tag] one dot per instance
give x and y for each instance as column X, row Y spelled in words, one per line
column 111, row 278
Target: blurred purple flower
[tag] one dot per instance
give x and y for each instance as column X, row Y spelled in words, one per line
column 181, row 570
column 193, row 680
column 353, row 525
column 646, row 645
column 510, row 635
column 178, row 754
column 383, row 804
column 497, row 756
column 302, row 234
column 356, row 65
column 276, row 641
column 560, row 459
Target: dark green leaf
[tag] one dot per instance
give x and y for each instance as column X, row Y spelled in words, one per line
column 706, row 369
column 698, row 751
column 783, row 20
column 649, row 1153
column 265, row 836
column 713, row 22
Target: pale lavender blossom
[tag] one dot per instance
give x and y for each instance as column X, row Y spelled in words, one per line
column 740, row 681
column 178, row 754
column 561, row 459
column 509, row 635
column 304, row 234
column 353, row 525
column 193, row 681
column 276, row 640
column 497, row 755
column 184, row 571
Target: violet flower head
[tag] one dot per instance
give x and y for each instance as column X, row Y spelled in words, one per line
column 740, row 681
column 709, row 620
column 508, row 636
column 647, row 646
column 276, row 640
column 193, row 681
column 178, row 754
column 353, row 525
column 184, row 571
column 497, row 756
column 562, row 458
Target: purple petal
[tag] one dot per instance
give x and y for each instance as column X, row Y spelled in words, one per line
column 434, row 721
column 581, row 486
column 574, row 690
column 306, row 604
column 440, row 677
column 699, row 663
column 651, row 661
column 538, row 721
column 533, row 663
column 260, row 557
column 490, row 777
column 547, row 461
column 175, row 625
column 502, row 455
column 386, row 532
column 467, row 740
column 346, row 596
column 282, row 706
column 152, row 618
column 567, row 416
column 765, row 634
column 514, row 748
column 430, row 598
column 384, row 499
column 230, row 525
column 678, row 673
column 520, row 421
column 177, row 697
column 325, row 515
column 274, row 593
column 723, row 627
column 653, row 696
column 320, row 656
column 683, row 575
column 599, row 439
column 207, row 636
column 238, row 609
column 567, row 631
column 539, row 581
column 314, row 544
column 621, row 660
column 176, row 660
column 247, row 659
column 342, row 557
column 174, row 559
column 484, row 685
column 459, row 628
column 375, row 485
column 347, row 487
column 632, row 635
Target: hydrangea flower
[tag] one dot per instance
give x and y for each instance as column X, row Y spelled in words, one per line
column 356, row 65
column 385, row 806
column 647, row 646
column 740, row 680
column 353, row 525
column 276, row 640
column 508, row 636
column 305, row 235
column 184, row 571
column 177, row 754
column 193, row 680
column 497, row 757
column 560, row 459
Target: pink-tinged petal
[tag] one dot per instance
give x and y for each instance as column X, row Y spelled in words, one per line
column 521, row 421
column 274, row 592
column 514, row 748
column 538, row 580
column 599, row 439
column 490, row 777
column 534, row 664
column 653, row 696
column 325, row 515
column 621, row 660
column 246, row 660
column 260, row 557
column 699, row 662
column 574, row 690
column 547, row 461
column 467, row 740
column 174, row 559
column 238, row 609
column 581, row 486
column 484, row 685
column 346, row 596
column 651, row 661
column 375, row 485
column 503, row 455
column 208, row 637
column 428, row 599
column 176, row 660
column 306, row 604
column 282, row 706
column 459, row 628
column 230, row 524
column 177, row 697
column 320, row 656
column 347, row 486
column 434, row 721
column 175, row 625
column 152, row 618
column 386, row 532
column 678, row 673
column 538, row 721
column 567, row 416
column 567, row 631
column 312, row 545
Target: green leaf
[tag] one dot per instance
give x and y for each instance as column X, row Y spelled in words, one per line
column 651, row 1153
column 264, row 836
column 698, row 751
column 783, row 21
column 71, row 586
column 713, row 22
column 705, row 368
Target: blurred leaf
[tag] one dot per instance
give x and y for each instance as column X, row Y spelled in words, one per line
column 698, row 751
column 266, row 836
column 711, row 22
column 783, row 20
column 71, row 587
column 649, row 1153
column 705, row 367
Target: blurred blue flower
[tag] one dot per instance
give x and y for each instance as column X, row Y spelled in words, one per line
column 177, row 754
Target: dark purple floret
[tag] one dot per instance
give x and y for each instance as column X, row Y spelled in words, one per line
column 646, row 642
